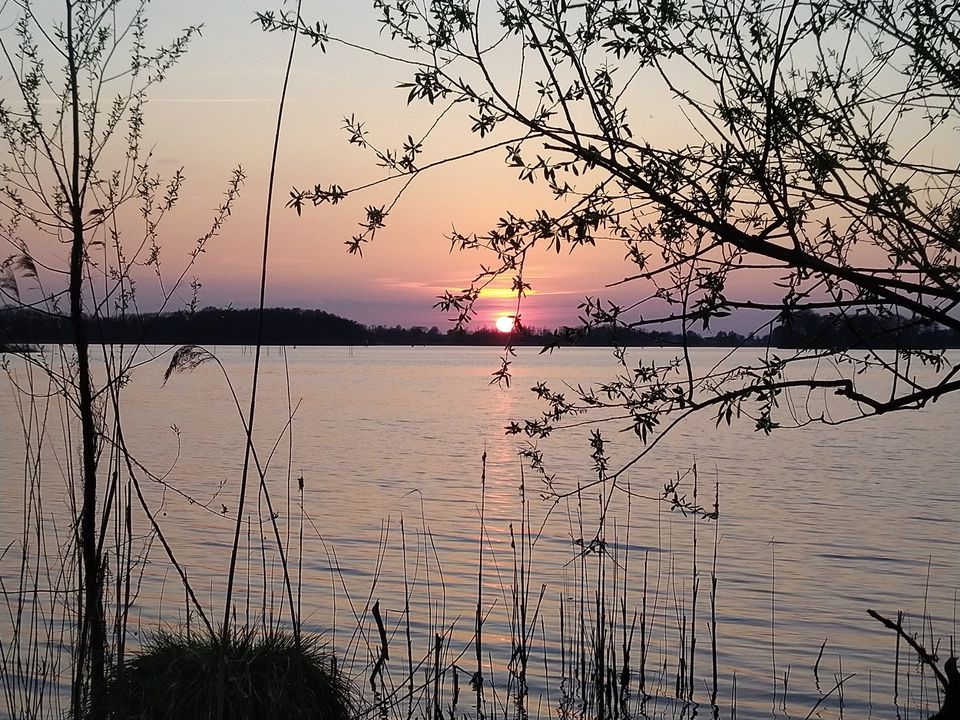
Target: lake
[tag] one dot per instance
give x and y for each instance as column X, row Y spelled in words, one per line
column 817, row 524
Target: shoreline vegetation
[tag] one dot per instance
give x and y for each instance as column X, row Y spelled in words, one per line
column 21, row 329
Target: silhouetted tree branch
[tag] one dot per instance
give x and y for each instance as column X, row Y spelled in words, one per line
column 813, row 152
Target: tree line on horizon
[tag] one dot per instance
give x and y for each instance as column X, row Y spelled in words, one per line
column 297, row 326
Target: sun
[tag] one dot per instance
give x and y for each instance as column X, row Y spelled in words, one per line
column 505, row 323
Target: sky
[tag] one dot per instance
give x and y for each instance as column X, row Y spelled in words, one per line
column 217, row 110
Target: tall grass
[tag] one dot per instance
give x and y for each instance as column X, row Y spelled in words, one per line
column 623, row 630
column 40, row 584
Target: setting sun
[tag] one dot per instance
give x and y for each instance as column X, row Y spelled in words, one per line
column 505, row 323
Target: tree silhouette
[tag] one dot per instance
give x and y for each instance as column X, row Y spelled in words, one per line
column 81, row 211
column 818, row 158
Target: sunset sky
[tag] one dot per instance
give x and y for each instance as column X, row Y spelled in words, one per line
column 218, row 109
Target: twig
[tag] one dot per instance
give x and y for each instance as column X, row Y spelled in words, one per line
column 836, row 687
column 925, row 657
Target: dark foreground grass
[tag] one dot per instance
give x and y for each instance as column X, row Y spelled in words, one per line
column 265, row 676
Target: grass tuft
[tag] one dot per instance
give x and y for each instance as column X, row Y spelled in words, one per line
column 265, row 676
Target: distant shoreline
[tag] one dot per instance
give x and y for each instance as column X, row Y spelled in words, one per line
column 24, row 328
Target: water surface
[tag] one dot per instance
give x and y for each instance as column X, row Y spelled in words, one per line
column 817, row 524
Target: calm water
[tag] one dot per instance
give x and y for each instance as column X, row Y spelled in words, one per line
column 817, row 524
